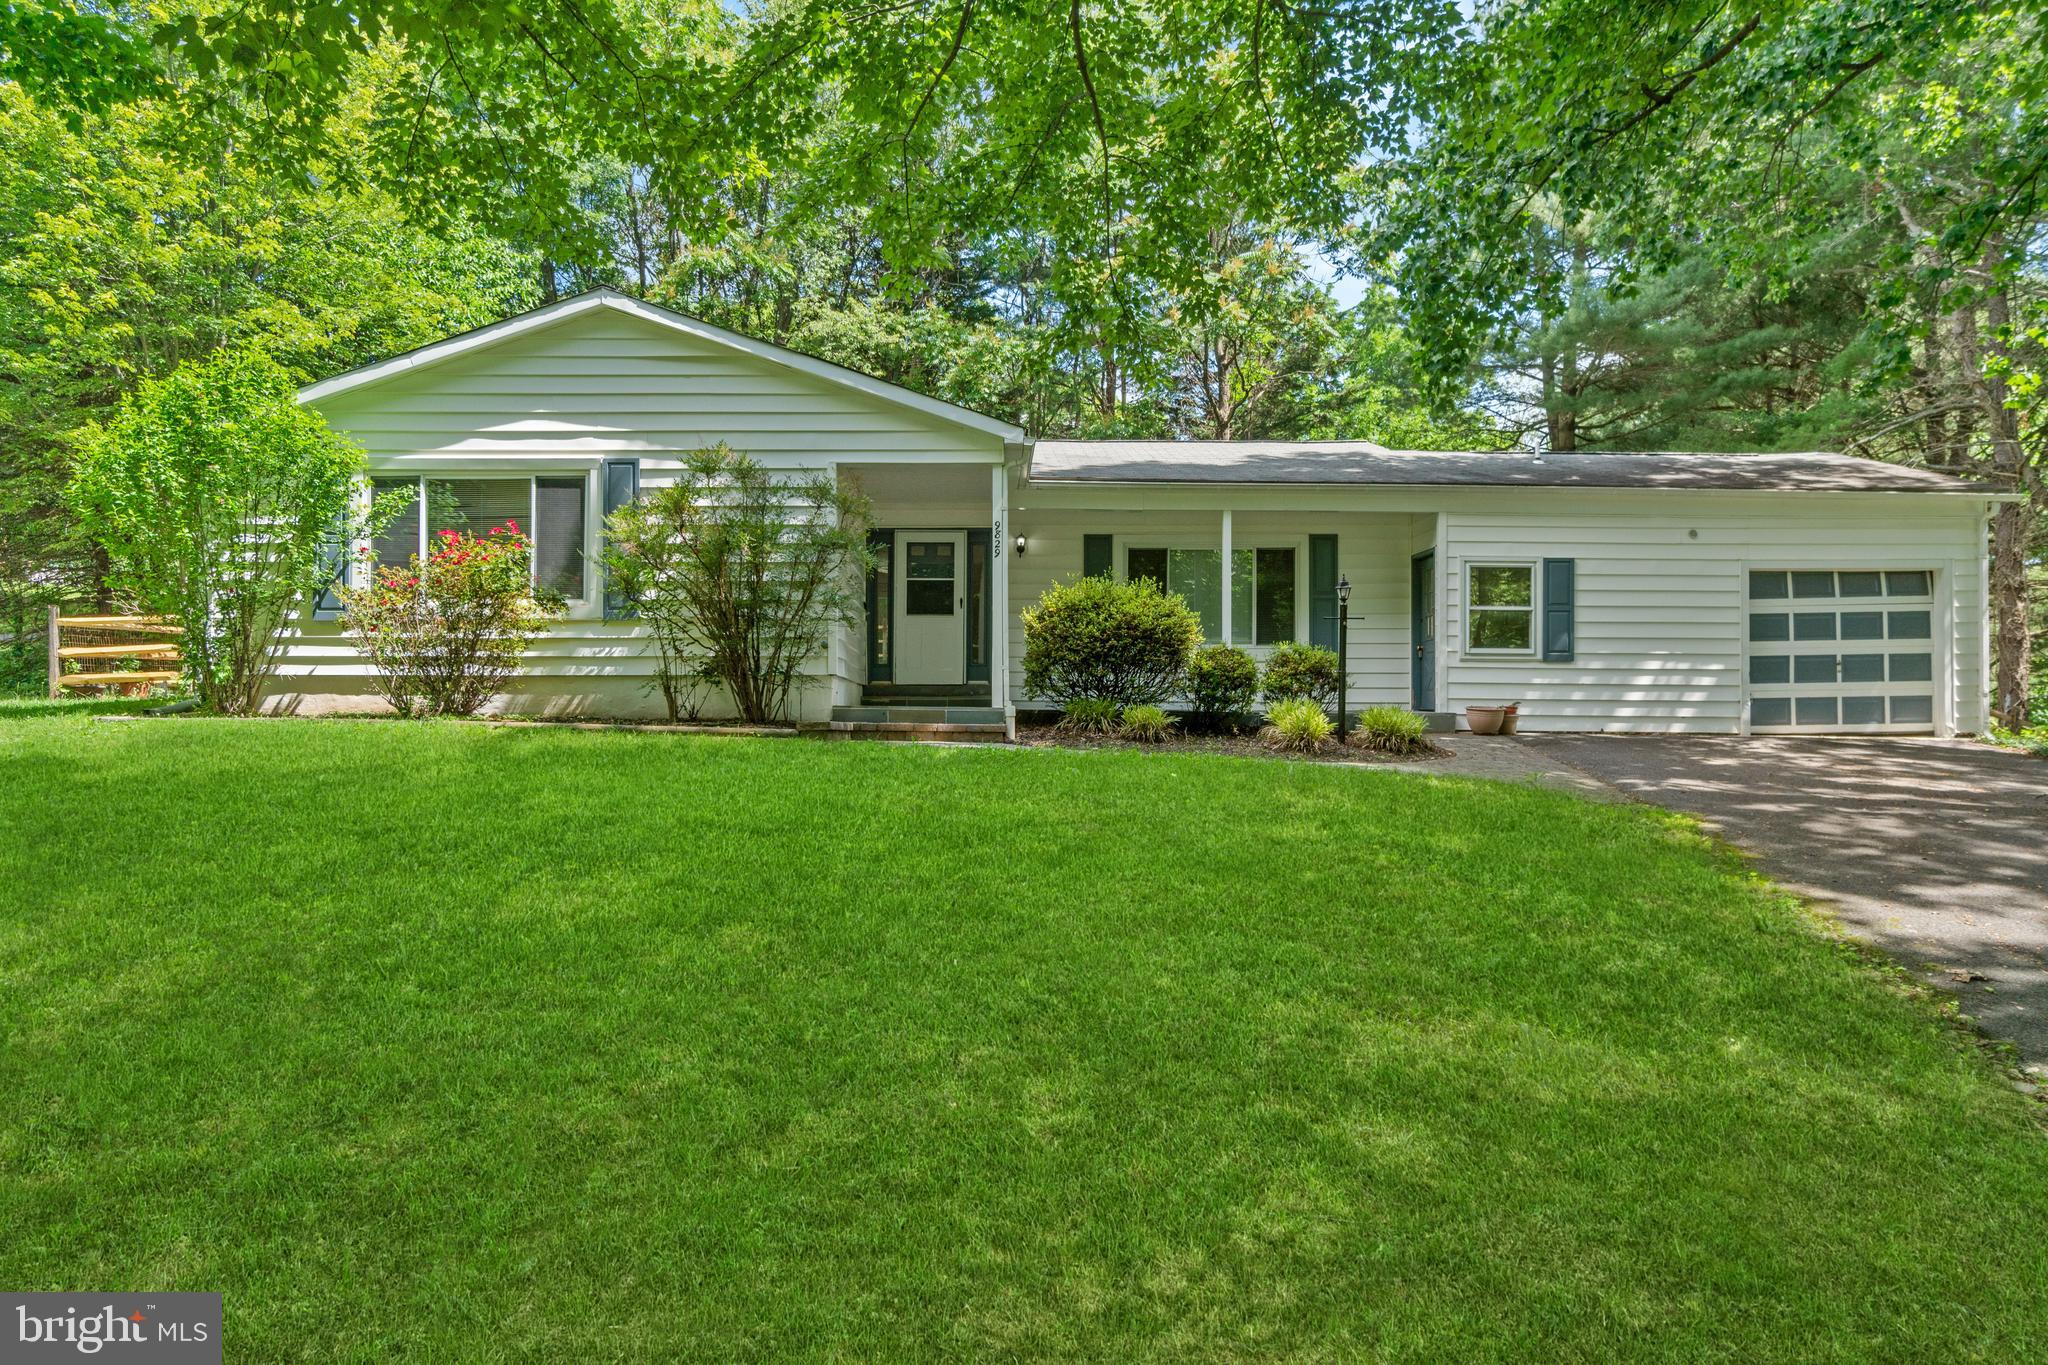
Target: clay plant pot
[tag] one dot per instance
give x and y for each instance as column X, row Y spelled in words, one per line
column 1507, row 719
column 1485, row 720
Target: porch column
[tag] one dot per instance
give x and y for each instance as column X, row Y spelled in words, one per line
column 1226, row 575
column 999, row 589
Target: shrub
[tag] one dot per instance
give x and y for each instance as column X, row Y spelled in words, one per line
column 742, row 575
column 1126, row 642
column 1146, row 724
column 223, row 502
column 1391, row 730
column 445, row 631
column 1089, row 716
column 1297, row 670
column 2033, row 740
column 1298, row 724
column 1223, row 685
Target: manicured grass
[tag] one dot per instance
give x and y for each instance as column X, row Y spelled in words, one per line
column 444, row 1043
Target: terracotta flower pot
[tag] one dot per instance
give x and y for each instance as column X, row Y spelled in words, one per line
column 1486, row 720
column 1507, row 719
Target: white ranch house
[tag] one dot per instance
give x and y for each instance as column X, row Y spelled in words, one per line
column 1700, row 593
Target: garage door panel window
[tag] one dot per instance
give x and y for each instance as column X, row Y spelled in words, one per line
column 1912, row 668
column 1915, row 584
column 1770, row 668
column 1912, row 710
column 1862, row 668
column 1866, row 584
column 1813, row 625
column 1863, row 710
column 1862, row 625
column 1813, row 585
column 1909, row 625
column 1501, row 615
column 1813, row 668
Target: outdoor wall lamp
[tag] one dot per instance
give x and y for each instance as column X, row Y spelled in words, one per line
column 1020, row 545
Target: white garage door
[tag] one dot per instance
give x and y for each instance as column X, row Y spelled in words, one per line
column 1841, row 650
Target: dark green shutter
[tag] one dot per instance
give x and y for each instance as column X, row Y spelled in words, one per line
column 1560, row 603
column 1322, row 591
column 1098, row 556
column 621, row 487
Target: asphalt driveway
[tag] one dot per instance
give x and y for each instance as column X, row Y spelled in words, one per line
column 1934, row 850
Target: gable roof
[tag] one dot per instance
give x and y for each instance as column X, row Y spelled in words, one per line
column 548, row 315
column 1363, row 463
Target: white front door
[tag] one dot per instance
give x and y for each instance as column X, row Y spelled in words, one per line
column 931, row 607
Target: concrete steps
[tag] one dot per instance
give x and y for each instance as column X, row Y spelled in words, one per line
column 920, row 722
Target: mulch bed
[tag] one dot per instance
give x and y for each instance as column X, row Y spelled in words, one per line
column 1239, row 745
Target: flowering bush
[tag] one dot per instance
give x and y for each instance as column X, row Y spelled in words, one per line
column 445, row 632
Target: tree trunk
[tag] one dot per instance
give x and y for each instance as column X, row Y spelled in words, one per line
column 2011, row 626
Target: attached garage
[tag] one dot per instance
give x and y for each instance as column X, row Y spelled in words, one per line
column 1843, row 650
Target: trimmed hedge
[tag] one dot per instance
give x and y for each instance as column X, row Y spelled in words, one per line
column 1127, row 643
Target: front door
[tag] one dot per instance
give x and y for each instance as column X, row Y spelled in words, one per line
column 931, row 607
column 1422, row 630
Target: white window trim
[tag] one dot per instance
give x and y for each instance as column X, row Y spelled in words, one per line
column 592, row 519
column 1471, row 606
column 1120, row 544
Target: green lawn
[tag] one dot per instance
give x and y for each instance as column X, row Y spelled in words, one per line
column 446, row 1043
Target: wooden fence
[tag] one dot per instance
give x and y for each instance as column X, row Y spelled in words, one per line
column 98, row 652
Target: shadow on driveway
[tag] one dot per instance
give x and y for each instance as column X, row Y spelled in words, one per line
column 1934, row 850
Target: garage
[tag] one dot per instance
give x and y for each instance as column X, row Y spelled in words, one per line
column 1841, row 651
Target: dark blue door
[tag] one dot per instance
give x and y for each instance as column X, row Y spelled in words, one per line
column 1422, row 630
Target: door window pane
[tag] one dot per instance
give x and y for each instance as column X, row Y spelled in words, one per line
column 1862, row 625
column 1770, row 711
column 928, row 570
column 1813, row 585
column 1910, row 625
column 977, row 602
column 1813, row 668
column 1863, row 710
column 1275, row 608
column 558, row 536
column 1862, row 668
column 400, row 538
column 1813, row 625
column 1767, row 584
column 1770, row 668
column 1912, row 668
column 1913, row 584
column 1862, row 584
column 1770, row 625
column 1912, row 710
column 1816, row 711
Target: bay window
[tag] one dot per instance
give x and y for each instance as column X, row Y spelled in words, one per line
column 549, row 509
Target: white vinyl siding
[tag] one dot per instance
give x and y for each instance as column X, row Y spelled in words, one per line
column 1661, row 601
column 558, row 401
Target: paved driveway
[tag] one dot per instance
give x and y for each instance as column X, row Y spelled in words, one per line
column 1935, row 850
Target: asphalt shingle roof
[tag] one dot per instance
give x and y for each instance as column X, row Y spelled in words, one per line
column 1361, row 462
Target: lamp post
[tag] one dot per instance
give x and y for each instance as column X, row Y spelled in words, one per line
column 1343, row 655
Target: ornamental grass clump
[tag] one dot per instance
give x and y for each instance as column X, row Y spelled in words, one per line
column 1146, row 724
column 1297, row 725
column 445, row 631
column 1089, row 716
column 1390, row 730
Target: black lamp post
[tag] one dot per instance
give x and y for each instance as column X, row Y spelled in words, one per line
column 1343, row 655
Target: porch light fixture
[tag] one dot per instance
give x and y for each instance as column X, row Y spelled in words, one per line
column 1020, row 545
column 1343, row 653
